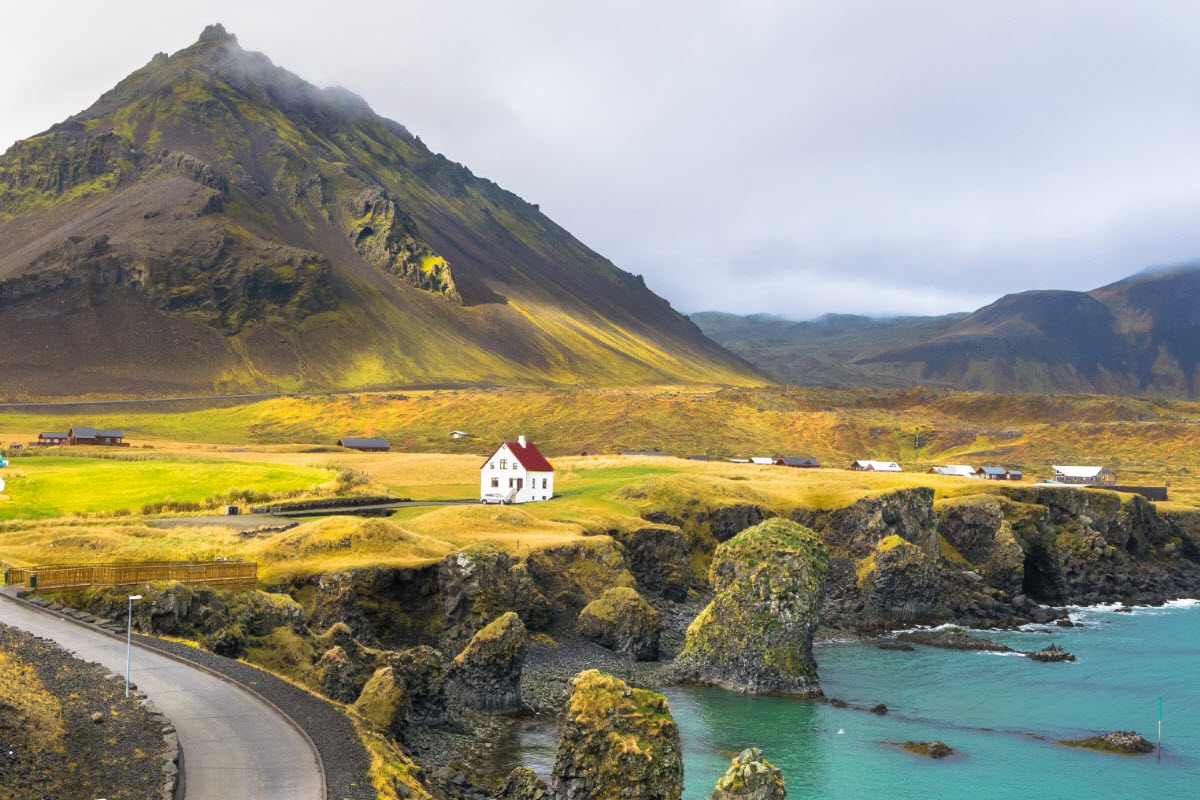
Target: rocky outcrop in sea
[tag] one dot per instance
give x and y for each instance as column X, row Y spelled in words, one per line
column 756, row 634
column 750, row 777
column 616, row 741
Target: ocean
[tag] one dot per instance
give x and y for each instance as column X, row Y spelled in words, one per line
column 1000, row 712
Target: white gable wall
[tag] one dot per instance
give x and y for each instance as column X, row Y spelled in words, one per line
column 503, row 473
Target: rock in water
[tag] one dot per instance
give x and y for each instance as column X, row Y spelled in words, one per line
column 621, row 620
column 934, row 749
column 750, row 777
column 953, row 639
column 617, row 742
column 756, row 635
column 1051, row 655
column 1126, row 743
column 523, row 784
column 486, row 675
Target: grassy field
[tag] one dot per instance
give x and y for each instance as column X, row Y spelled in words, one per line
column 60, row 507
column 48, row 487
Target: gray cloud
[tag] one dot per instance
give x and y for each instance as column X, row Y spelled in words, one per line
column 790, row 157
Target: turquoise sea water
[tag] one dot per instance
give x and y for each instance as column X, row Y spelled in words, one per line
column 1001, row 713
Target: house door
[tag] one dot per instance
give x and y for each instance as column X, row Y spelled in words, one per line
column 520, row 483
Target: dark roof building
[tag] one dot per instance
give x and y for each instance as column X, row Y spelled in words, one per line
column 802, row 463
column 104, row 437
column 365, row 445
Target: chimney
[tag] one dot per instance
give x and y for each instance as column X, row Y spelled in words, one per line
column 521, row 440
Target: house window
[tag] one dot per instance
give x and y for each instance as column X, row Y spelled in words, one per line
column 544, row 483
column 492, row 465
column 495, row 483
column 504, row 463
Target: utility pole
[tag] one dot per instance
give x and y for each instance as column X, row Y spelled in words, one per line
column 129, row 639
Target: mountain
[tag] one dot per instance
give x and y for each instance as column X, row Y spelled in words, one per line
column 1140, row 335
column 214, row 223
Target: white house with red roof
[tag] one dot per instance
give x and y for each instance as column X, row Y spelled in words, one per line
column 516, row 473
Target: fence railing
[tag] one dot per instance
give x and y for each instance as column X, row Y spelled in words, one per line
column 219, row 574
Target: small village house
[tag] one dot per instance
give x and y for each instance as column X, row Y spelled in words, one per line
column 365, row 445
column 762, row 461
column 96, row 437
column 516, row 472
column 999, row 474
column 458, row 434
column 49, row 439
column 863, row 465
column 1084, row 475
column 798, row 462
column 955, row 471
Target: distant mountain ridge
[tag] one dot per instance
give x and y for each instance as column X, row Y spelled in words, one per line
column 214, row 223
column 1140, row 335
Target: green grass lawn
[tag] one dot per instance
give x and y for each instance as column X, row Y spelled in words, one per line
column 52, row 486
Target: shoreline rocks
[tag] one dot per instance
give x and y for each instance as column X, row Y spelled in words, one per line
column 953, row 639
column 756, row 635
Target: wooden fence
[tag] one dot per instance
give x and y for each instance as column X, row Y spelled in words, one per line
column 218, row 574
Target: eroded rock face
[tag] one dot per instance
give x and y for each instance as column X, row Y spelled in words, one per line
column 382, row 606
column 486, row 675
column 658, row 558
column 478, row 584
column 337, row 676
column 900, row 582
column 621, row 620
column 617, row 742
column 750, row 777
column 756, row 634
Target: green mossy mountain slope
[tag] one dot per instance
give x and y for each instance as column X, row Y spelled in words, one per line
column 215, row 223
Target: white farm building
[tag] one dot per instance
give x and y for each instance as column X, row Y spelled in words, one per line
column 516, row 473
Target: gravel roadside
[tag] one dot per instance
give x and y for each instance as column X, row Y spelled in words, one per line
column 67, row 731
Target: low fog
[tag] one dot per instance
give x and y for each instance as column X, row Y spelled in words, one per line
column 753, row 156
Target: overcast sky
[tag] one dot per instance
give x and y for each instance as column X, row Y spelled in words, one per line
column 748, row 155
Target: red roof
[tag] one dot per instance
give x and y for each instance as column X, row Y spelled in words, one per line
column 530, row 457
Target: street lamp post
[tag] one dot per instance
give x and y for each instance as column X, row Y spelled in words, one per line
column 129, row 639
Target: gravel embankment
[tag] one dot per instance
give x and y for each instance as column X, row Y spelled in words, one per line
column 113, row 755
column 345, row 759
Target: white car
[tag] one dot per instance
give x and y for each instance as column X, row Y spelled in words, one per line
column 494, row 497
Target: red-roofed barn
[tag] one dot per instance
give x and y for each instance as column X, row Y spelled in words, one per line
column 516, row 473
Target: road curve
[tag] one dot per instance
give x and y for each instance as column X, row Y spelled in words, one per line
column 235, row 745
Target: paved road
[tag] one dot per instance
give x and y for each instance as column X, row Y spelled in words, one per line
column 235, row 746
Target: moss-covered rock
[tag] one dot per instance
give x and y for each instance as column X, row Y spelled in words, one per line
column 616, row 742
column 486, row 675
column 573, row 575
column 337, row 676
column 756, row 634
column 424, row 682
column 621, row 620
column 750, row 777
column 384, row 703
